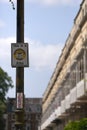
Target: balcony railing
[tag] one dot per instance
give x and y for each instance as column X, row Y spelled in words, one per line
column 76, row 94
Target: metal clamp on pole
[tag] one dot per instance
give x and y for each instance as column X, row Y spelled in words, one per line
column 19, row 117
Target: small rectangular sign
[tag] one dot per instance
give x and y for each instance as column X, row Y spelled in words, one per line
column 19, row 100
column 19, row 55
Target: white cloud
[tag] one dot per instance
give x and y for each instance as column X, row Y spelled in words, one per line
column 41, row 55
column 5, row 48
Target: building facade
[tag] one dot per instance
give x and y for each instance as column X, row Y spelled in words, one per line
column 65, row 98
column 33, row 112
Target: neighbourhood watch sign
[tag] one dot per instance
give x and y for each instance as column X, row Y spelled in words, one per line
column 19, row 55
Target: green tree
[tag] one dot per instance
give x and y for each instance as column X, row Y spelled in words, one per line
column 83, row 124
column 72, row 126
column 77, row 125
column 5, row 84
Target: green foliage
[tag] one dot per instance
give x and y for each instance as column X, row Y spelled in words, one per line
column 5, row 84
column 83, row 124
column 72, row 126
column 2, row 108
column 77, row 125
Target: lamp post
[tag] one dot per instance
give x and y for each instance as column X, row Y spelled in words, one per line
column 19, row 113
column 19, row 59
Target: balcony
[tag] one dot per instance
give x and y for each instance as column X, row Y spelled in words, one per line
column 73, row 95
column 80, row 89
column 67, row 100
column 76, row 95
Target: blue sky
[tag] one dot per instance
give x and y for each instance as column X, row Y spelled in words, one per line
column 47, row 26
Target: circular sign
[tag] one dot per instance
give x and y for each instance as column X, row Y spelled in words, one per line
column 19, row 54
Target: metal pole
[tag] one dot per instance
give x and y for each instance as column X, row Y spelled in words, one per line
column 20, row 70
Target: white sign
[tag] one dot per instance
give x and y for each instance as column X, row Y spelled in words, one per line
column 19, row 55
column 19, row 100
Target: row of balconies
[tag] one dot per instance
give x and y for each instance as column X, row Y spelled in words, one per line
column 75, row 75
column 79, row 90
column 76, row 95
column 78, row 23
column 73, row 87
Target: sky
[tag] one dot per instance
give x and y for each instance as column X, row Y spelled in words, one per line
column 47, row 26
